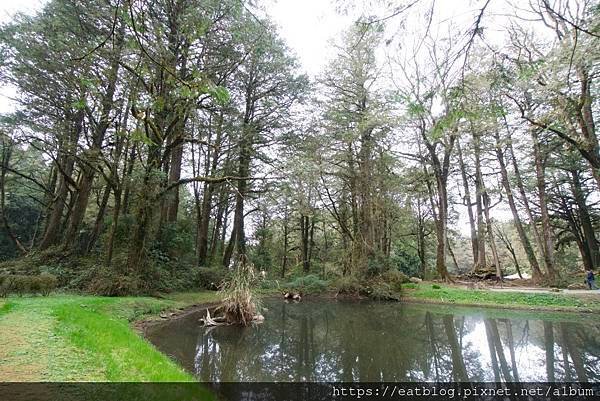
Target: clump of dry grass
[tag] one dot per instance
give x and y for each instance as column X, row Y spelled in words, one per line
column 239, row 306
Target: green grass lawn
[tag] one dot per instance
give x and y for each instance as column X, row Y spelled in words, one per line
column 542, row 301
column 85, row 338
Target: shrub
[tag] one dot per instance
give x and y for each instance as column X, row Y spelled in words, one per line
column 4, row 285
column 22, row 284
column 111, row 283
column 47, row 283
column 395, row 279
column 347, row 285
column 383, row 291
column 173, row 276
column 211, row 278
column 309, row 284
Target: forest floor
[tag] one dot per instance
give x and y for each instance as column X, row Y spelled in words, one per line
column 86, row 338
column 543, row 299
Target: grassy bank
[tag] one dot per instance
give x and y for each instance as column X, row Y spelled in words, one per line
column 85, row 338
column 515, row 300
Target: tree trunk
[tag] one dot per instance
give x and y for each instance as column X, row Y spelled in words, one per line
column 490, row 232
column 99, row 219
column 548, row 243
column 585, row 220
column 468, row 204
column 285, row 241
column 5, row 163
column 207, row 195
column 64, row 166
column 524, row 199
column 174, row 176
column 533, row 263
column 113, row 227
column 93, row 155
column 305, row 230
column 479, row 201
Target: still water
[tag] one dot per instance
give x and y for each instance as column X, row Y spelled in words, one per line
column 366, row 341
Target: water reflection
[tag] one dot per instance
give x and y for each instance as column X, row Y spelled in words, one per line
column 352, row 341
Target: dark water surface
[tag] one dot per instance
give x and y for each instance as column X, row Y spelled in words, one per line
column 365, row 341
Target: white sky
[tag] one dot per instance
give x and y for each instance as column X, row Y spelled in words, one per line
column 308, row 26
column 7, row 9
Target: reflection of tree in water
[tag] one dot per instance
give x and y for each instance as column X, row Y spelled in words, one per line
column 349, row 341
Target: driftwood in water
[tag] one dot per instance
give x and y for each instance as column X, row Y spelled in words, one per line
column 294, row 296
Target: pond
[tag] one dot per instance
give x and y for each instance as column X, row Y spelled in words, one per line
column 322, row 340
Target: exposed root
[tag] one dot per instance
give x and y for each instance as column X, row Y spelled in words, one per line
column 209, row 321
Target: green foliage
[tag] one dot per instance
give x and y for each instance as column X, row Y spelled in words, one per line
column 268, row 284
column 415, row 109
column 110, row 282
column 382, row 291
column 395, row 279
column 139, row 135
column 446, row 123
column 435, row 287
column 22, row 212
column 211, row 278
column 174, row 240
column 261, row 254
column 377, row 264
column 220, row 94
column 310, row 284
column 175, row 277
column 405, row 259
column 348, row 284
